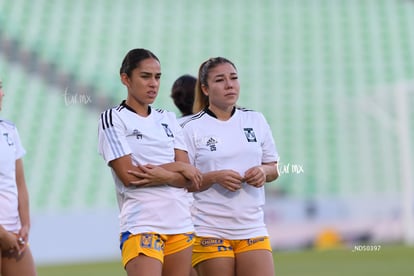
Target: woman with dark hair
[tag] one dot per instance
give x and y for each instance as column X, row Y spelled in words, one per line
column 182, row 93
column 145, row 149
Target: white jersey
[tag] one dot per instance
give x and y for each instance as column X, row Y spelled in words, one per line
column 242, row 142
column 183, row 119
column 149, row 140
column 11, row 150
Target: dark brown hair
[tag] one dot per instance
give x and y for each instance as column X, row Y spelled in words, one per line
column 133, row 58
column 182, row 92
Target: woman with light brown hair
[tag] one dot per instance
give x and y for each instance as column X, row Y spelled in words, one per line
column 234, row 149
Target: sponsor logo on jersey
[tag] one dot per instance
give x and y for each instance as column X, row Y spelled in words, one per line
column 212, row 144
column 210, row 242
column 136, row 133
column 255, row 240
column 250, row 135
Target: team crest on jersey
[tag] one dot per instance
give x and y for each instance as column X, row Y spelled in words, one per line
column 8, row 139
column 249, row 132
column 167, row 130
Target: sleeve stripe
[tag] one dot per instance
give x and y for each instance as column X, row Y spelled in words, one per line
column 110, row 118
column 102, row 120
column 111, row 134
column 194, row 117
column 106, row 118
column 107, row 113
column 114, row 143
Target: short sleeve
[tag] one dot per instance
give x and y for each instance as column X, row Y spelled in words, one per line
column 179, row 142
column 112, row 143
column 270, row 153
column 189, row 143
column 20, row 151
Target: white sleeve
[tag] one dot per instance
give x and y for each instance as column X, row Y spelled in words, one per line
column 112, row 142
column 190, row 143
column 270, row 153
column 20, row 151
column 179, row 142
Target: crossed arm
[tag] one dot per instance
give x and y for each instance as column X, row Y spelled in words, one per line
column 178, row 174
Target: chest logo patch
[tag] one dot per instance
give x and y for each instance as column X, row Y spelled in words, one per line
column 167, row 130
column 250, row 135
column 8, row 139
column 211, row 143
column 136, row 133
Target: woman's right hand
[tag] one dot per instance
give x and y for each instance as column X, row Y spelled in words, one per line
column 193, row 175
column 9, row 242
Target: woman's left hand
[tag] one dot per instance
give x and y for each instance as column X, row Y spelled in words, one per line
column 255, row 176
column 24, row 233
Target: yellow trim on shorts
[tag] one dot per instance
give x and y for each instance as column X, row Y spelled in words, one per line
column 206, row 248
column 153, row 245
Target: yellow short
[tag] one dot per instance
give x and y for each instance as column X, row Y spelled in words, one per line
column 153, row 245
column 208, row 248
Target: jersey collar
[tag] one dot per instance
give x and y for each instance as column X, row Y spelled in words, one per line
column 211, row 113
column 124, row 104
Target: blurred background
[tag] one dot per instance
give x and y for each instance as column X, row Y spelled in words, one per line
column 335, row 80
